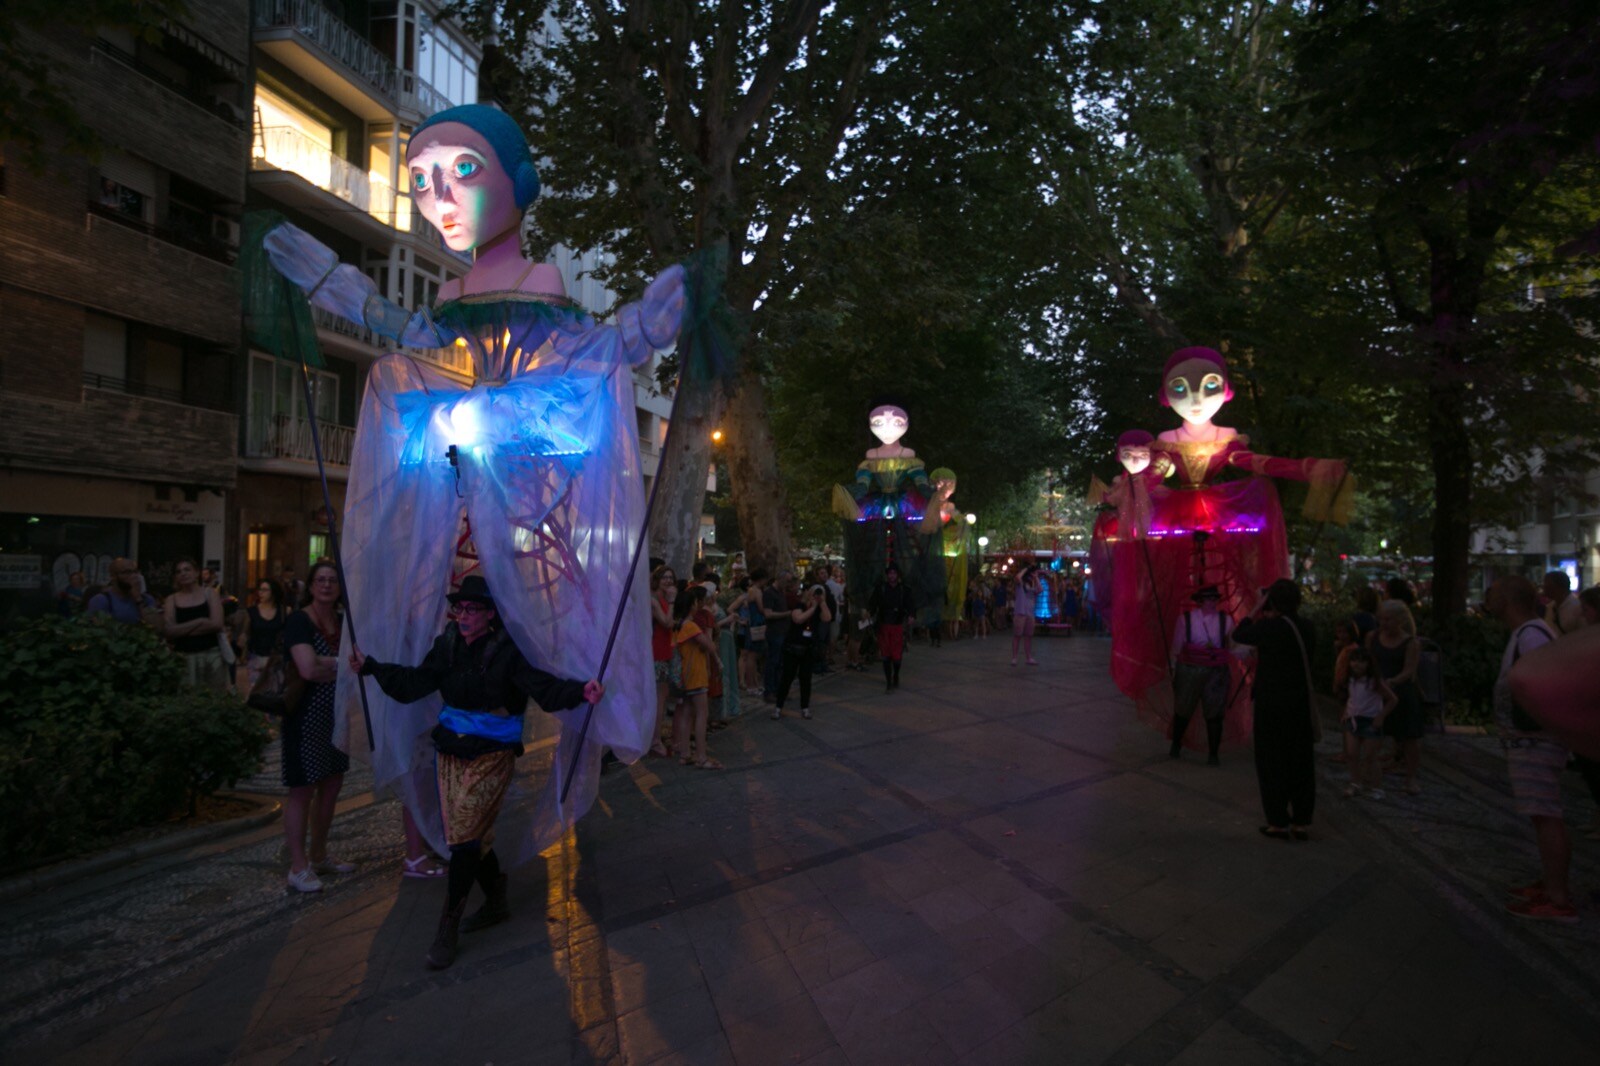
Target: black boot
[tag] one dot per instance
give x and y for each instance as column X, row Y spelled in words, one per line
column 896, row 681
column 888, row 676
column 443, row 952
column 494, row 909
column 1180, row 726
column 1213, row 740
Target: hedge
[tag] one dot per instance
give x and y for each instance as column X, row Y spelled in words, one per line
column 99, row 734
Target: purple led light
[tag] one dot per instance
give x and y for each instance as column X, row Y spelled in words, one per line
column 1188, row 532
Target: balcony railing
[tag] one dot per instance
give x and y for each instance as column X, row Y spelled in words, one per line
column 417, row 95
column 454, row 357
column 129, row 387
column 286, row 148
column 332, row 35
column 281, row 436
column 185, row 237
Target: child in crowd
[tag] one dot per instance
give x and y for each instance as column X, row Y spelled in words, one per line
column 1367, row 704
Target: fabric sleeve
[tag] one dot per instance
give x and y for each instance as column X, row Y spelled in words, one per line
column 1251, row 631
column 408, row 684
column 551, row 693
column 651, row 323
column 1332, row 486
column 687, row 632
column 346, row 291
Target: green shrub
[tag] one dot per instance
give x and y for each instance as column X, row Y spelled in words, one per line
column 99, row 733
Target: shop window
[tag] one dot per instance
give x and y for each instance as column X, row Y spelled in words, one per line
column 317, row 550
column 256, row 553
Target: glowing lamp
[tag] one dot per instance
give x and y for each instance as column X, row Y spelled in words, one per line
column 983, row 542
column 972, row 519
column 716, row 435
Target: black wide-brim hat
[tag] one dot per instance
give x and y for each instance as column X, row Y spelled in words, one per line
column 474, row 589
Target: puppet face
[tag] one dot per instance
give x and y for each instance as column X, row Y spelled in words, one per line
column 459, row 185
column 1196, row 389
column 945, row 486
column 1135, row 458
column 888, row 423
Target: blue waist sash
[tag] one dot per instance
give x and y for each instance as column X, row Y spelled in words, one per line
column 503, row 728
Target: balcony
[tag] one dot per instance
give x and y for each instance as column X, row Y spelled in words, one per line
column 320, row 47
column 286, row 148
column 418, row 97
column 283, row 443
column 340, row 333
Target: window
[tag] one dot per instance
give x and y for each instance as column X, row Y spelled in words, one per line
column 125, row 188
column 255, row 554
column 277, row 401
column 105, row 350
column 163, row 368
column 317, row 550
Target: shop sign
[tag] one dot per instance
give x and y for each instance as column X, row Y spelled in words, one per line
column 177, row 511
column 20, row 571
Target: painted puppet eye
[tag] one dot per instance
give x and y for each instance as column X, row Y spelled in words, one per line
column 1212, row 384
column 1178, row 387
column 465, row 168
column 419, row 180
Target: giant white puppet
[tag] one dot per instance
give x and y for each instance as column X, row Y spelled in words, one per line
column 529, row 477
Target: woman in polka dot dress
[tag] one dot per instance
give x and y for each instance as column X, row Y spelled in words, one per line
column 313, row 769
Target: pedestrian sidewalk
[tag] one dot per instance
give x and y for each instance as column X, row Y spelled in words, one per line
column 991, row 865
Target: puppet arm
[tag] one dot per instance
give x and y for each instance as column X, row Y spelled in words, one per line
column 1333, row 487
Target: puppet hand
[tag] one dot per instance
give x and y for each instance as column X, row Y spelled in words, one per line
column 592, row 691
column 357, row 660
column 299, row 256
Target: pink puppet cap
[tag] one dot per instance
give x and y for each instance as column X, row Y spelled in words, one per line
column 1183, row 355
column 1135, row 438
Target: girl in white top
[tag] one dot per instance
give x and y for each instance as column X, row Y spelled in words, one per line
column 1368, row 701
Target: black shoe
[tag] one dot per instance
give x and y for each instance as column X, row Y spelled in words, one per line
column 494, row 909
column 443, row 951
column 1212, row 760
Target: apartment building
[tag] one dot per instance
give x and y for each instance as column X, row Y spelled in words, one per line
column 337, row 90
column 119, row 358
column 1559, row 530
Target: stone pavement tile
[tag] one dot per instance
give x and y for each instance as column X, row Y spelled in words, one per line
column 635, row 985
column 805, row 921
column 823, row 959
column 834, row 1056
column 1223, row 1045
column 660, row 1028
column 647, row 942
column 970, row 1012
column 946, row 907
column 902, row 1038
column 726, row 946
column 1085, row 1025
column 981, row 940
column 711, row 1051
column 790, row 1032
column 1034, row 976
column 885, row 923
column 873, row 991
column 745, row 991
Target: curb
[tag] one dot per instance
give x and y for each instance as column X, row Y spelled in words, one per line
column 62, row 873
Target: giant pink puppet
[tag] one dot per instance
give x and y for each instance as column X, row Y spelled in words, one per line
column 1219, row 525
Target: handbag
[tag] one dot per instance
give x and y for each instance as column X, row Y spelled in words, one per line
column 280, row 688
column 1311, row 692
column 225, row 648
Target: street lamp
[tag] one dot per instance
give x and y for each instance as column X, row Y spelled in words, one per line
column 716, row 436
column 983, row 542
column 972, row 519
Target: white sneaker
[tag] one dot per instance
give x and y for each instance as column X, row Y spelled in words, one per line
column 330, row 865
column 1375, row 794
column 304, row 880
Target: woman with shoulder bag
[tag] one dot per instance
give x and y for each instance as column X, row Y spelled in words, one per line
column 264, row 622
column 1396, row 653
column 1286, row 728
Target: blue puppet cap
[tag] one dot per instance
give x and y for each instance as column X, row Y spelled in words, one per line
column 504, row 136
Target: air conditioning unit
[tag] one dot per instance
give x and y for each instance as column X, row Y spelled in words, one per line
column 225, row 230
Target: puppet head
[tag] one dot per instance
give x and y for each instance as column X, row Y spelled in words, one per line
column 1195, row 384
column 944, row 478
column 888, row 422
column 1133, row 451
column 471, row 174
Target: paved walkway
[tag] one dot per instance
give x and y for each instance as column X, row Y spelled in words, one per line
column 993, row 865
